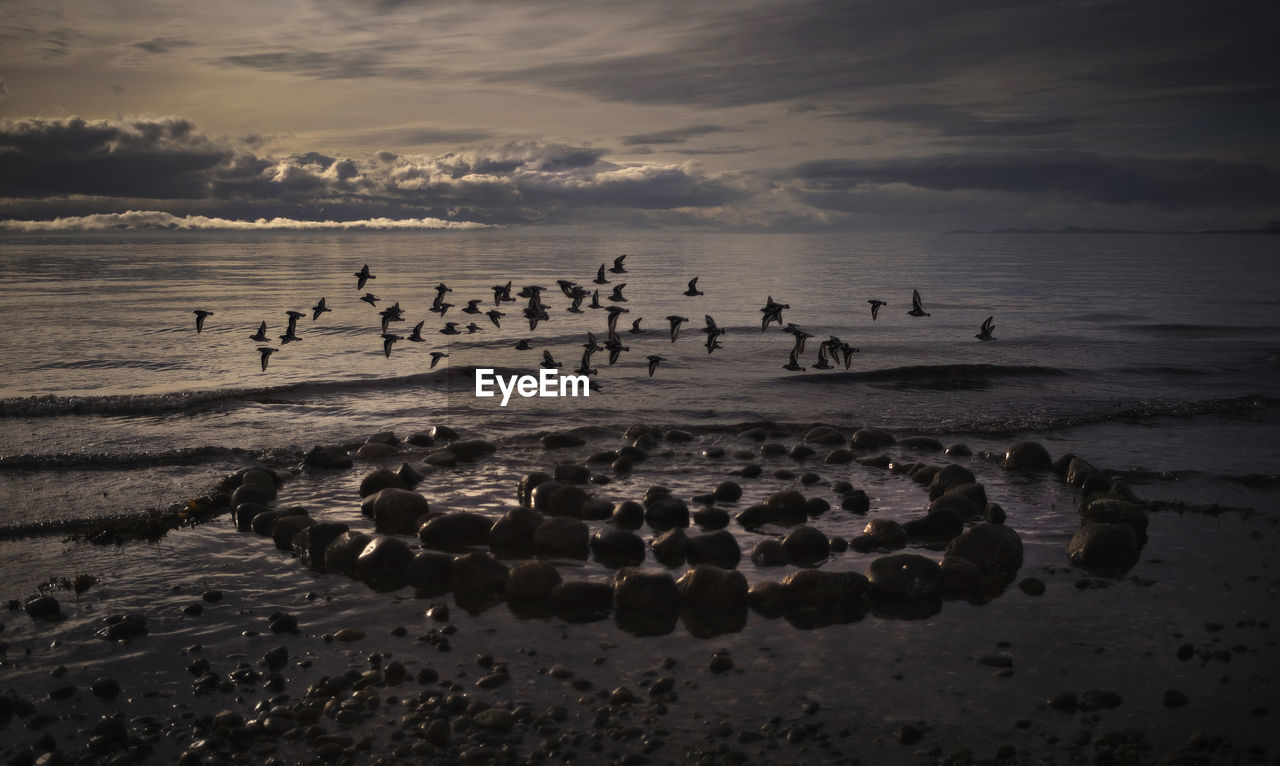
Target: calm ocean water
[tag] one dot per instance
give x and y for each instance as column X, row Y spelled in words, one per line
column 1157, row 356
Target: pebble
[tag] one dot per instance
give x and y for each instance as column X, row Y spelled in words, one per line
column 721, row 662
column 347, row 635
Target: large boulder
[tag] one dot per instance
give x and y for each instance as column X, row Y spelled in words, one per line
column 287, row 527
column 670, row 548
column 1114, row 510
column 903, row 577
column 511, row 537
column 479, row 581
column 642, row 591
column 719, row 548
column 382, row 563
column 471, row 450
column 567, row 501
column 995, row 548
column 310, row 543
column 527, row 485
column 665, row 511
column 456, row 531
column 1105, row 548
column 825, row 435
column 770, row 552
column 617, row 548
column 380, row 480
column 1027, row 456
column 328, row 456
column 429, row 573
column 531, row 581
column 871, row 438
column 561, row 537
column 880, row 534
column 341, row 554
column 821, row 588
column 395, row 511
column 540, row 495
column 708, row 587
column 948, row 477
column 939, row 526
column 806, row 546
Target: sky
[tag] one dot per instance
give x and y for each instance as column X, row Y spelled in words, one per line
column 769, row 115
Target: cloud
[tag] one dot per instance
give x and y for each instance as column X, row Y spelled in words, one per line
column 161, row 45
column 674, row 135
column 1080, row 176
column 154, row 219
column 954, row 121
column 330, row 65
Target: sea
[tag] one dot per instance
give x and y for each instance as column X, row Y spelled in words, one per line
column 1153, row 356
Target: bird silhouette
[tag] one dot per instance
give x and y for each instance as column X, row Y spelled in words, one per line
column 200, row 316
column 676, row 321
column 916, row 309
column 388, row 340
column 494, row 315
column 617, row 265
column 792, row 363
column 319, row 309
column 436, row 356
column 875, row 308
column 416, row 335
column 473, row 307
column 635, row 327
column 363, row 276
column 502, row 294
column 370, row 299
column 654, row 359
column 264, row 354
column 600, row 278
column 988, row 327
column 693, row 288
column 450, row 328
column 261, row 334
column 548, row 361
column 617, row 293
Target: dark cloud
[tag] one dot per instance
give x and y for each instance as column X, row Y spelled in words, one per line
column 329, row 65
column 1078, row 176
column 955, row 121
column 161, row 45
column 674, row 135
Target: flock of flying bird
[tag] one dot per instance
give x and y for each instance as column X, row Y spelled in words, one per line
column 535, row 311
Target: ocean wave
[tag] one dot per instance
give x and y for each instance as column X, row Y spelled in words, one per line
column 150, row 220
column 125, row 461
column 938, row 376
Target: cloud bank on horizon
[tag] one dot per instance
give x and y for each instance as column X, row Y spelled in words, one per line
column 762, row 114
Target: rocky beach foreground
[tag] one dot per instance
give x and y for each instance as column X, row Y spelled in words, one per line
column 763, row 594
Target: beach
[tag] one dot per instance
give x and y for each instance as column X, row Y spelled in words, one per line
column 124, row 445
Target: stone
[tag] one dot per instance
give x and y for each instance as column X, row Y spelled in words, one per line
column 532, row 581
column 728, row 491
column 253, row 493
column 825, row 435
column 421, row 439
column 941, row 526
column 479, row 581
column 562, row 537
column 719, row 548
column 1106, row 548
column 903, row 577
column 511, row 537
column 962, row 505
column 855, row 501
column 996, row 549
column 376, row 451
column 581, row 600
column 562, row 441
column 395, row 511
column 770, row 552
column 711, row 518
column 708, row 587
column 617, row 548
column 328, row 456
column 663, row 512
column 456, row 531
column 822, row 588
column 571, row 473
column 527, row 484
column 880, row 534
column 1111, row 510
column 628, row 514
column 1027, row 456
column 806, row 546
column 871, row 438
column 441, row 458
column 429, row 573
column 958, row 577
column 948, row 477
column 382, row 563
column 669, row 547
column 380, row 480
column 340, row 555
column 567, row 501
column 287, row 527
column 839, row 456
column 42, row 607
column 922, row 443
column 472, row 450
column 1079, row 471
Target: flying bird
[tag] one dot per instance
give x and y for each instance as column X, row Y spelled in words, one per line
column 693, row 288
column 416, row 335
column 200, row 315
column 614, row 312
column 875, row 308
column 388, row 340
column 675, row 321
column 617, row 265
column 523, row 344
column 585, row 367
column 600, row 278
column 436, row 356
column 494, row 315
column 822, row 363
column 916, row 309
column 450, row 328
column 502, row 294
column 472, row 328
column 595, row 301
column 792, row 363
column 473, row 307
column 591, row 345
column 363, row 276
column 772, row 313
column 654, row 359
column 370, row 299
column 635, row 327
column 441, row 289
column 261, row 334
column 265, row 352
column 988, row 327
column 617, row 293
column 319, row 309
column 548, row 361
